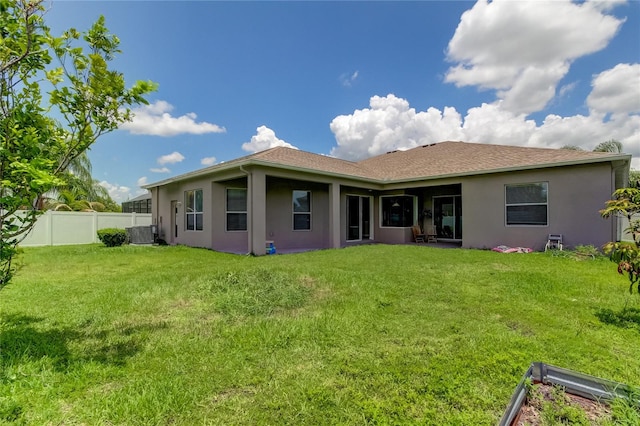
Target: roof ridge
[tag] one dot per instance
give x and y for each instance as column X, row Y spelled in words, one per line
column 432, row 161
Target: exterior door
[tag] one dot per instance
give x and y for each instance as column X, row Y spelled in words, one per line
column 174, row 221
column 447, row 216
column 358, row 218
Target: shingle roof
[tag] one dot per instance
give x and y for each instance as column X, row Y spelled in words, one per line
column 460, row 158
column 435, row 160
column 307, row 160
column 424, row 162
column 146, row 196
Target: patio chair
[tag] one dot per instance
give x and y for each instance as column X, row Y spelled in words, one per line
column 554, row 242
column 418, row 235
column 432, row 235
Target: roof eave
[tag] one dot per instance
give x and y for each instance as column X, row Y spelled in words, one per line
column 315, row 171
column 622, row 157
column 254, row 162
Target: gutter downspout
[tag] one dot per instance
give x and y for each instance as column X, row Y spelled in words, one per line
column 158, row 218
column 621, row 170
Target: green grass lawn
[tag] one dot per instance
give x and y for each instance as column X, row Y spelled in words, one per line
column 367, row 335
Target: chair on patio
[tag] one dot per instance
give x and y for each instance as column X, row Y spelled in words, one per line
column 418, row 235
column 432, row 235
column 554, row 242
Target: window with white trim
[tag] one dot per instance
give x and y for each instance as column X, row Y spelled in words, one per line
column 301, row 210
column 527, row 204
column 236, row 209
column 193, row 209
column 398, row 211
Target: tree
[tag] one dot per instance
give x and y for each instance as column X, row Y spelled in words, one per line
column 611, row 145
column 85, row 192
column 626, row 202
column 70, row 200
column 572, row 148
column 36, row 150
column 634, row 179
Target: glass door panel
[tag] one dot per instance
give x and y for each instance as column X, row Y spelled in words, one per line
column 458, row 214
column 447, row 217
column 358, row 218
column 353, row 218
column 366, row 218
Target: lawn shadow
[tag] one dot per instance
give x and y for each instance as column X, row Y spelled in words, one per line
column 625, row 318
column 23, row 341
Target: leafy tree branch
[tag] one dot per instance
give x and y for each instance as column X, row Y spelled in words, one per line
column 626, row 202
column 36, row 150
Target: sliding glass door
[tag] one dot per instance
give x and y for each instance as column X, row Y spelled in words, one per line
column 447, row 216
column 358, row 218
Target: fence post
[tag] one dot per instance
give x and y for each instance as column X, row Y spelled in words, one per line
column 53, row 228
column 49, row 222
column 95, row 227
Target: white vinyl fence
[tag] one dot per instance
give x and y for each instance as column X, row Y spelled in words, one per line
column 624, row 224
column 63, row 228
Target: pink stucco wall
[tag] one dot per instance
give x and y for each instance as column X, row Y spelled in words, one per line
column 574, row 198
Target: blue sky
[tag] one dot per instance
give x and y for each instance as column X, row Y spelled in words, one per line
column 356, row 79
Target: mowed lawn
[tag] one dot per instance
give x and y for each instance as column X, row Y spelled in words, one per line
column 372, row 334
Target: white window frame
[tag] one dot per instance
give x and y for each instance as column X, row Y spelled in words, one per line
column 295, row 213
column 227, row 211
column 193, row 211
column 522, row 204
column 414, row 218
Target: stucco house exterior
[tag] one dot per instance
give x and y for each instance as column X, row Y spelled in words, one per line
column 477, row 195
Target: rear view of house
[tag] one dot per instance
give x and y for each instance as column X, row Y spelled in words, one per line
column 476, row 195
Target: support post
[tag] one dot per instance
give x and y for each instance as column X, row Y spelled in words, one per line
column 334, row 215
column 257, row 212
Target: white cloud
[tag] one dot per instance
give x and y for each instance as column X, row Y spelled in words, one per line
column 605, row 5
column 348, row 79
column 523, row 50
column 155, row 119
column 160, row 170
column 142, row 181
column 118, row 192
column 208, row 161
column 390, row 123
column 616, row 90
column 489, row 123
column 533, row 89
column 174, row 157
column 567, row 88
column 265, row 138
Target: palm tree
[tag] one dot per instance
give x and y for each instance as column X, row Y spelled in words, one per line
column 81, row 191
column 634, row 179
column 611, row 145
column 71, row 200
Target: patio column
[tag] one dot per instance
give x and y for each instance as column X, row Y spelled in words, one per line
column 257, row 194
column 334, row 215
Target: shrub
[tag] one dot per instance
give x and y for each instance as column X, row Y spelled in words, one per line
column 626, row 202
column 112, row 237
column 585, row 251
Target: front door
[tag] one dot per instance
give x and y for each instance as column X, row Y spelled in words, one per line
column 447, row 216
column 358, row 218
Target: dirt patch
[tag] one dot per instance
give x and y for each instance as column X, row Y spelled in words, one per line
column 546, row 404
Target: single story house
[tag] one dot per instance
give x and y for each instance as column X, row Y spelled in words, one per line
column 476, row 195
column 140, row 204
